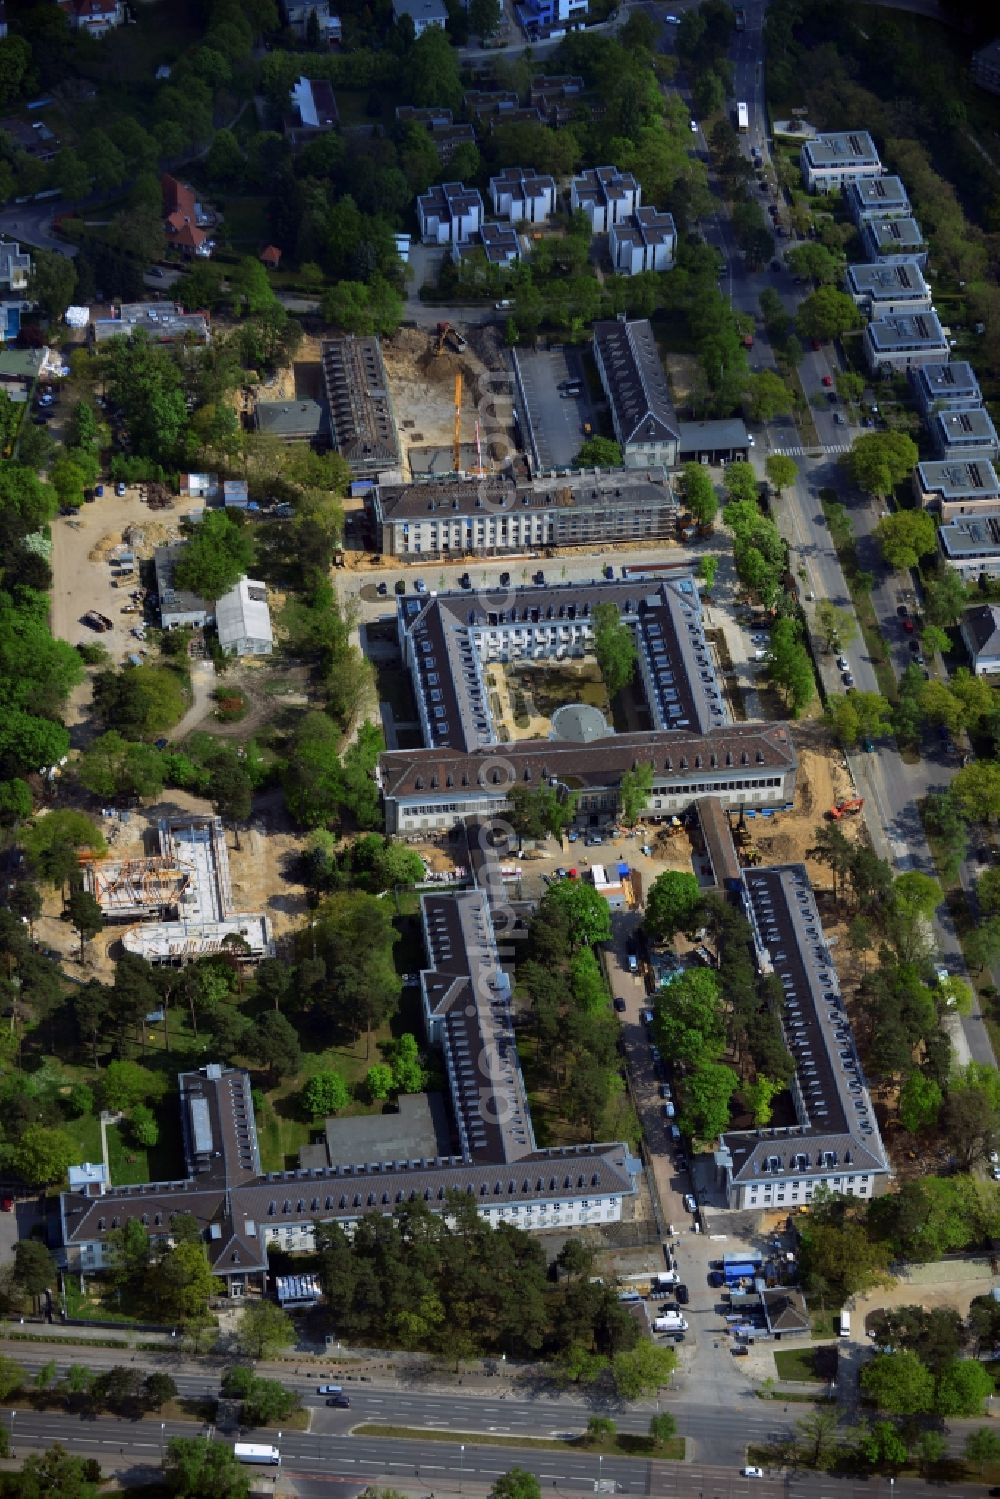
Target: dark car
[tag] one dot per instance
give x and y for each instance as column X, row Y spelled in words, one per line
column 914, row 646
column 619, row 1005
column 681, row 1292
column 465, row 581
column 342, row 1402
column 400, row 586
column 902, row 610
column 739, row 1351
column 716, row 1279
column 539, row 578
column 382, row 590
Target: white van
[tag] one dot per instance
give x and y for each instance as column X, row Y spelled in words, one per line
column 253, row 1452
column 845, row 1324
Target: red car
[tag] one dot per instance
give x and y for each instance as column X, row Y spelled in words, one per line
column 7, row 1204
column 827, row 380
column 815, row 345
column 907, row 626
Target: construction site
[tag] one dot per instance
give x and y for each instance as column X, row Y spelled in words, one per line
column 179, row 901
column 436, row 379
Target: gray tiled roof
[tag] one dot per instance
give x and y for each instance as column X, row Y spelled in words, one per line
column 634, row 380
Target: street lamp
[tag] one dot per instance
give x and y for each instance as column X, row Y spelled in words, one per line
column 12, row 1415
column 600, row 1472
column 461, row 1470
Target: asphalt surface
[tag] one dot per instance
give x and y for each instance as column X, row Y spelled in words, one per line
column 554, row 418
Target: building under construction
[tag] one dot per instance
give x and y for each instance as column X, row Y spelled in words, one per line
column 182, row 896
column 362, row 422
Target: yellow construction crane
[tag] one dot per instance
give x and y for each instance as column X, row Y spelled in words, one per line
column 457, row 436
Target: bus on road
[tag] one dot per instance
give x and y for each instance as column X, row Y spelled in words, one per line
column 255, row 1452
column 742, row 117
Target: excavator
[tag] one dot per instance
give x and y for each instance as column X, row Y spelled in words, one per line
column 849, row 807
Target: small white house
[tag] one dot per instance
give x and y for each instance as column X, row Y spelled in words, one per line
column 243, row 620
column 423, row 13
column 524, row 197
column 645, row 241
column 981, row 633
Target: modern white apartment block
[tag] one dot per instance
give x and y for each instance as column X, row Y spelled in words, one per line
column 970, row 545
column 523, row 196
column 961, row 487
column 888, row 290
column 605, row 195
column 945, row 387
column 832, row 161
column 889, row 241
column 644, row 241
column 964, row 432
column 449, row 214
column 877, row 198
column 895, row 344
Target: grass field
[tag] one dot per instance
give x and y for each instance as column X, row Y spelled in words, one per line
column 803, row 1365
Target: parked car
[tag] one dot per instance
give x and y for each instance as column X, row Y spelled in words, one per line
column 694, row 127
column 539, row 578
column 503, row 305
column 669, row 1112
column 120, row 488
column 420, row 586
column 843, row 664
column 382, row 590
column 751, row 1472
column 716, row 1279
column 647, row 1017
column 329, row 1389
column 840, row 420
column 681, row 1292
column 847, row 678
column 828, row 381
column 619, row 1004
column 690, row 1202
column 465, row 581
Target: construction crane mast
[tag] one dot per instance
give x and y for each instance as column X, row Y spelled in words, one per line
column 457, row 435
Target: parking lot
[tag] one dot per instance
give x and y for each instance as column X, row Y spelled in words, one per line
column 552, row 421
column 85, row 579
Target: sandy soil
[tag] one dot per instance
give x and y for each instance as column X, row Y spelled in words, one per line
column 822, row 780
column 423, row 389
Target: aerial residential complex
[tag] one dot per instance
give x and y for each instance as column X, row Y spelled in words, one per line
column 835, row 160
column 448, row 641
column 491, row 1156
column 487, row 517
column 835, row 1142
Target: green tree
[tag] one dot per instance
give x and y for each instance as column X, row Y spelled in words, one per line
column 12, row 1378
column 375, row 308
column 518, row 1483
column 813, row 261
column 673, row 900
column 740, row 482
column 698, row 493
column 432, row 70
column 634, row 792
column 920, row 1100
column 85, row 916
column 882, row 1446
column 945, row 599
column 139, row 702
column 313, row 777
column 642, row 1369
column 218, row 554
column 408, row 1074
column 708, row 1092
column 781, row 471
column 838, row 626
column 975, row 790
column 819, row 1437
column 899, row 1384
column 934, row 640
column 196, row 1469
column 963, row 1386
column 982, row 1446
column 143, row 1126
column 56, row 1472
column 662, row 1429
column 33, row 1266
column 379, row 1082
column 708, row 566
column 841, row 1259
column 43, row 1155
column 325, row 1093
column 614, row 647
column 600, row 1429
column 583, row 908
column 906, row 536
column 596, row 452
column 537, row 812
column 879, row 461
column 52, row 282
column 827, row 313
column 264, row 1330
column 157, row 1389
column 789, row 665
column 180, row 1284
column 274, row 1044
column 113, row 766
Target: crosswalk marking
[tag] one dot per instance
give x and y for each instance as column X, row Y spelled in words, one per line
column 800, row 452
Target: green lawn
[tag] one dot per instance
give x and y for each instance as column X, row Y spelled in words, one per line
column 802, row 1365
column 245, row 225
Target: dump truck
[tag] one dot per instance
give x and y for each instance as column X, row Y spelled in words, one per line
column 846, row 808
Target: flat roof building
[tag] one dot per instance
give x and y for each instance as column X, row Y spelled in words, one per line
column 962, row 487
column 945, row 387
column 964, row 432
column 877, row 198
column 423, row 13
column 301, row 420
column 160, row 322
column 835, row 1143
column 836, row 159
column 644, row 241
column 895, row 344
column 635, row 384
column 888, row 290
column 449, row 213
column 970, row 545
column 362, row 421
column 888, row 241
column 986, row 66
column 606, row 195
column 523, row 195
column 457, row 517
